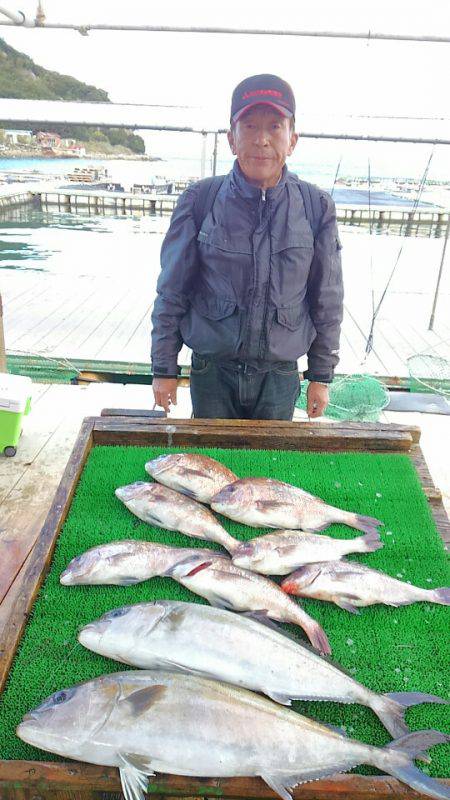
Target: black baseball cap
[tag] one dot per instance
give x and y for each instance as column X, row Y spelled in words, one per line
column 268, row 90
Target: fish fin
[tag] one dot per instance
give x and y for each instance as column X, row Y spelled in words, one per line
column 441, row 596
column 152, row 519
column 345, row 602
column 283, row 782
column 335, row 728
column 267, row 505
column 261, row 616
column 361, row 522
column 134, row 773
column 182, row 489
column 278, row 697
column 413, row 745
column 128, row 580
column 198, row 472
column 369, row 542
column 218, row 601
column 390, row 709
column 308, row 573
column 140, row 701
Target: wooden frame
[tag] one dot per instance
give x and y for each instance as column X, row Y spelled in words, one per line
column 29, row 780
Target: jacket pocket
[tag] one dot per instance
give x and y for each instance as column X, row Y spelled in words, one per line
column 211, row 326
column 291, row 259
column 290, row 318
column 291, row 333
column 302, row 238
column 216, row 236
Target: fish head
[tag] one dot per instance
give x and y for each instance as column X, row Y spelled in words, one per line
column 162, row 464
column 112, row 634
column 132, row 491
column 233, row 498
column 67, row 720
column 301, row 578
column 99, row 565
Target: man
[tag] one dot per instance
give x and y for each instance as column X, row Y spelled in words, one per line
column 249, row 288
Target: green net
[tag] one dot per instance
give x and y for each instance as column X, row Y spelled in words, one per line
column 353, row 397
column 429, row 373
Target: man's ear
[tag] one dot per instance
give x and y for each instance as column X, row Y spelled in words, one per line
column 230, row 137
column 293, row 142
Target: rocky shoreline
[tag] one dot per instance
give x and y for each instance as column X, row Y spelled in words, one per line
column 23, row 152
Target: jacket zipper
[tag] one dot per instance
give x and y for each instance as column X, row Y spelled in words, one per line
column 263, row 337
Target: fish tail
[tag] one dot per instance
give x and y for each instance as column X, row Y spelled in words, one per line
column 359, row 521
column 441, row 596
column 400, row 764
column 390, row 708
column 368, row 543
column 313, row 630
column 229, row 542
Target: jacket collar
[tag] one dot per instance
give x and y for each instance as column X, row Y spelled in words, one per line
column 247, row 190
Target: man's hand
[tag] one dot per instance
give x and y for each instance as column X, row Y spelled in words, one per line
column 165, row 392
column 317, row 399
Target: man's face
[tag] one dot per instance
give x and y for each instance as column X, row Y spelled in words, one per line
column 262, row 139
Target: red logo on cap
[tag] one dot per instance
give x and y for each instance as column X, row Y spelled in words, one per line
column 258, row 92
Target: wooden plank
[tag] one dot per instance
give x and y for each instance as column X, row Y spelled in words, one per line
column 252, row 434
column 41, row 557
column 434, row 495
column 78, row 776
column 38, row 430
column 28, row 501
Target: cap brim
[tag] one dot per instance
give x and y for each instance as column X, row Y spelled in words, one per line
column 284, row 112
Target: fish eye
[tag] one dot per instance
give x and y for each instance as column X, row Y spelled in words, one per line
column 62, row 696
column 118, row 612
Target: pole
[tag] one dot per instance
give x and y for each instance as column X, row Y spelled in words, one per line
column 2, row 341
column 214, row 163
column 203, row 156
column 22, row 21
column 441, row 269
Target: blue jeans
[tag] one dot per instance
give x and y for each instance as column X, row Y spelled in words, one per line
column 237, row 391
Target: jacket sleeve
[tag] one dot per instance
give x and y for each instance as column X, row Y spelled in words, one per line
column 178, row 265
column 325, row 296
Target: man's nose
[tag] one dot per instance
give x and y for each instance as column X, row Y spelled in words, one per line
column 261, row 137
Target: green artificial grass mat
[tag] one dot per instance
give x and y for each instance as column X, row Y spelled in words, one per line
column 387, row 649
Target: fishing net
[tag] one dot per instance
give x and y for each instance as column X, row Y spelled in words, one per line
column 429, row 373
column 353, row 397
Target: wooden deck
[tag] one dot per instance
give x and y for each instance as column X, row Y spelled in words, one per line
column 107, row 317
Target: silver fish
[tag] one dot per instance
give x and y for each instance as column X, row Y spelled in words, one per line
column 125, row 562
column 200, row 477
column 226, row 586
column 350, row 585
column 237, row 649
column 267, row 503
column 281, row 552
column 146, row 722
column 167, row 508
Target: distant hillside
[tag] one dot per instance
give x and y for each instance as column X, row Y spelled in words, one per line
column 21, row 78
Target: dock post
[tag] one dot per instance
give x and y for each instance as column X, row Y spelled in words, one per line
column 441, row 267
column 2, row 341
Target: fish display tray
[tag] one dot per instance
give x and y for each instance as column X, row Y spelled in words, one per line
column 384, row 461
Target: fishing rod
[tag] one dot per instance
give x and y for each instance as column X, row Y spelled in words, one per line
column 369, row 342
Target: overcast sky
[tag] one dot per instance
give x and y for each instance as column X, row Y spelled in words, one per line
column 332, row 78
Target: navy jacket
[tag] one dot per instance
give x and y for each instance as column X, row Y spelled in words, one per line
column 252, row 284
